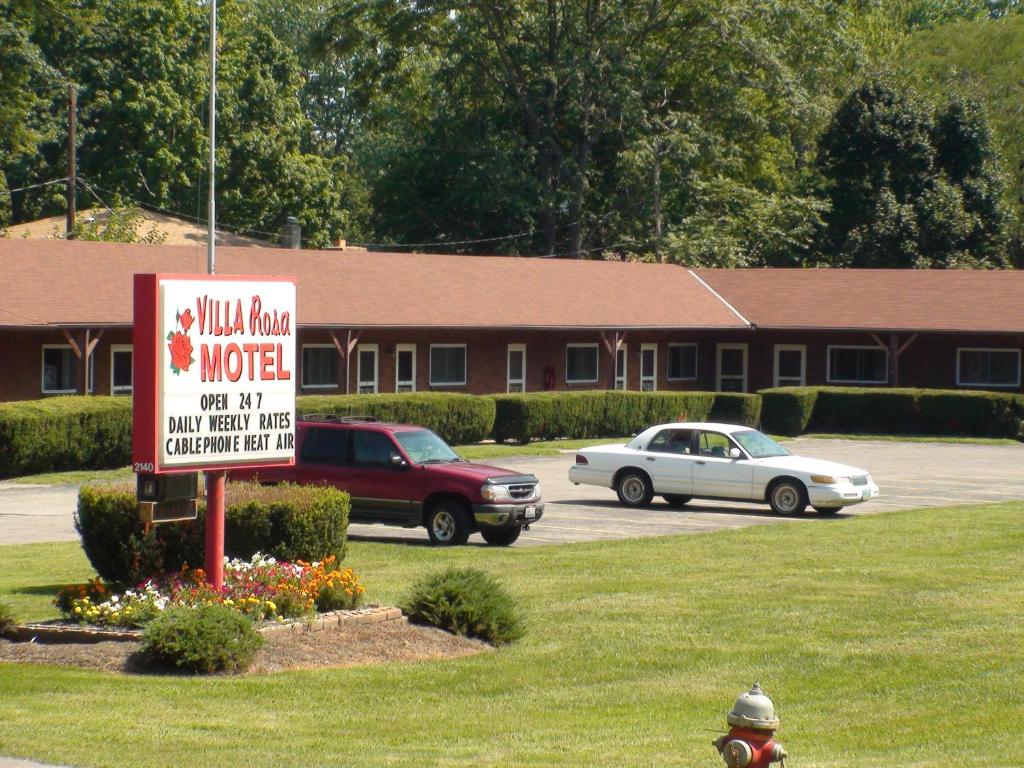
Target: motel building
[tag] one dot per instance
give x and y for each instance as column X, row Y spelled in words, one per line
column 394, row 322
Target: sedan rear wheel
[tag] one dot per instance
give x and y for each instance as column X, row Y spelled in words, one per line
column 634, row 489
column 788, row 497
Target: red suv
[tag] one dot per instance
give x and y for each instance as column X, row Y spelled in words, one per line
column 405, row 475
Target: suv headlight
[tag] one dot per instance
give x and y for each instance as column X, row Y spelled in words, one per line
column 495, row 492
column 829, row 480
column 536, row 491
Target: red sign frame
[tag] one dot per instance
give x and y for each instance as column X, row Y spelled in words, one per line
column 147, row 348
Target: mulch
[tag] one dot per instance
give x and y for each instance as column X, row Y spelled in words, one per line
column 349, row 645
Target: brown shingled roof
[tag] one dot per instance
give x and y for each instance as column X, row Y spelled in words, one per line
column 875, row 299
column 90, row 283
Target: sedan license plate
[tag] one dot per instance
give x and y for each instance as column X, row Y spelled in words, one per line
column 530, row 512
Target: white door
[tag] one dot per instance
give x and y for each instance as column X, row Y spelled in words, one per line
column 790, row 365
column 732, row 368
column 516, row 370
column 366, row 358
column 405, row 368
column 669, row 461
column 648, row 367
column 718, row 475
column 621, row 359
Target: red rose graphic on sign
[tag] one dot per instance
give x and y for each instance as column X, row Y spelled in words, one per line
column 180, row 344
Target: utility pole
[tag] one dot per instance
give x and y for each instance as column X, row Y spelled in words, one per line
column 72, row 159
column 211, row 256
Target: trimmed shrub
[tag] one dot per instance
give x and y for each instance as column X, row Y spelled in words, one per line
column 736, row 408
column 945, row 412
column 288, row 522
column 467, row 602
column 456, row 417
column 787, row 410
column 796, row 410
column 7, row 620
column 551, row 415
column 210, row 638
column 62, row 433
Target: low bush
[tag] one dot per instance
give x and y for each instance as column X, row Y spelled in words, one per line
column 287, row 522
column 210, row 638
column 862, row 410
column 736, row 408
column 467, row 602
column 787, row 410
column 7, row 620
column 456, row 417
column 550, row 415
column 61, row 433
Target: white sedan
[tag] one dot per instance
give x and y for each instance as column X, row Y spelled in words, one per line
column 719, row 461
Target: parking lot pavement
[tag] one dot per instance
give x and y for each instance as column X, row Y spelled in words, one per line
column 910, row 475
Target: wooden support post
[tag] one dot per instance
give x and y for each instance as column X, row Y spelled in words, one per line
column 345, row 352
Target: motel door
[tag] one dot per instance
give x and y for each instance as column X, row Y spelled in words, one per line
column 732, row 368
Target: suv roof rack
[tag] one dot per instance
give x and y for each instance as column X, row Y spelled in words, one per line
column 330, row 417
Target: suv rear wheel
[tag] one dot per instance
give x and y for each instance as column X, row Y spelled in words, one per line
column 448, row 523
column 501, row 537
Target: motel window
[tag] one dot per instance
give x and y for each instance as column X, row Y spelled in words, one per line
column 447, row 365
column 682, row 362
column 121, row 369
column 790, row 365
column 60, row 370
column 580, row 363
column 405, row 368
column 988, row 367
column 858, row 365
column 319, row 366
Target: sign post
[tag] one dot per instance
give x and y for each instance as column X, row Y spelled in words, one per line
column 213, row 382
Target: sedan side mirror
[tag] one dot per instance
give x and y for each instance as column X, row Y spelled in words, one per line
column 734, row 453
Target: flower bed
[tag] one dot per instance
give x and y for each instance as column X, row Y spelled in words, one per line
column 262, row 589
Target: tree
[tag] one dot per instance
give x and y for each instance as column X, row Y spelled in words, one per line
column 909, row 188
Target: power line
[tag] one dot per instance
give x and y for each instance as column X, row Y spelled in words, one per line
column 34, row 186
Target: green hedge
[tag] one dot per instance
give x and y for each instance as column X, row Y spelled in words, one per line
column 286, row 521
column 856, row 410
column 549, row 415
column 456, row 417
column 61, row 433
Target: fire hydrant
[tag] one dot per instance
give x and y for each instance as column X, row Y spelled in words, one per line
column 750, row 742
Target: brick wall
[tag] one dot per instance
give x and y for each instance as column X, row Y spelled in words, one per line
column 929, row 361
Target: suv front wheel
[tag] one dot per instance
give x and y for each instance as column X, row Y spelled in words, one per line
column 448, row 523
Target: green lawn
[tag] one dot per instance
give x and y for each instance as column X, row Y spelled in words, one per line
column 885, row 640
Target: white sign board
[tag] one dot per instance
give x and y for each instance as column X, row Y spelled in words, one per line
column 224, row 373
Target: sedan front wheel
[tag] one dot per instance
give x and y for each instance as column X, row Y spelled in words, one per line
column 788, row 497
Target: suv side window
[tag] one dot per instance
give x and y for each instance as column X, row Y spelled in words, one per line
column 371, row 449
column 325, row 446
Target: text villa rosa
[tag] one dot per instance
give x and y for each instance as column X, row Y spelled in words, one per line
column 233, row 361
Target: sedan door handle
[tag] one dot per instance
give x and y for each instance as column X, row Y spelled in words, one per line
column 649, row 458
column 702, row 462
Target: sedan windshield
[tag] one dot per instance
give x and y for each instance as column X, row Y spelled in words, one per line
column 424, row 447
column 759, row 445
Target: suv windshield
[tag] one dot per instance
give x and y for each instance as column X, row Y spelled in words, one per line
column 759, row 445
column 424, row 447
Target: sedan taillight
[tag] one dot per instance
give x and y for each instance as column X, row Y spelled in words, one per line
column 581, row 459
